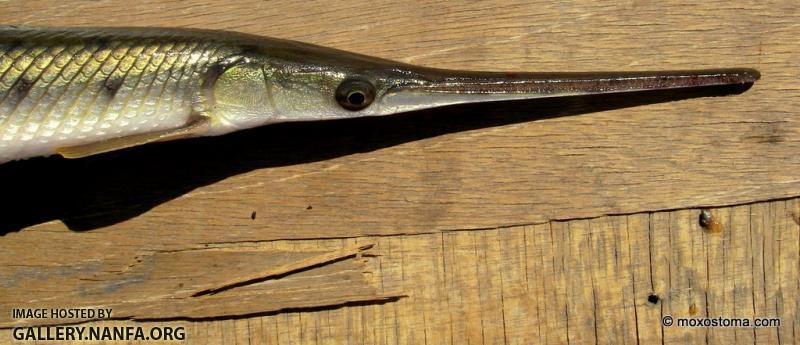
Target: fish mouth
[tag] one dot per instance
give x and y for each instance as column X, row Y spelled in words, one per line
column 444, row 87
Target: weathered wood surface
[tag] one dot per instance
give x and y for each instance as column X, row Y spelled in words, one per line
column 581, row 281
column 217, row 281
column 411, row 179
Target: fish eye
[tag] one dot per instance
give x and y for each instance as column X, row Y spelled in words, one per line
column 355, row 94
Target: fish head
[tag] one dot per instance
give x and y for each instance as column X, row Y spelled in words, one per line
column 299, row 82
column 335, row 85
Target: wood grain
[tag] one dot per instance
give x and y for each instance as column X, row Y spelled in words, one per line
column 580, row 281
column 232, row 280
column 516, row 271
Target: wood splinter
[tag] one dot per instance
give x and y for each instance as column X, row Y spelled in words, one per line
column 281, row 271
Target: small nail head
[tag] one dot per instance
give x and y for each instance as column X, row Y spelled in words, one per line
column 705, row 218
column 709, row 222
column 653, row 298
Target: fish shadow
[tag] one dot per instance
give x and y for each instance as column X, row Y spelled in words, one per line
column 102, row 190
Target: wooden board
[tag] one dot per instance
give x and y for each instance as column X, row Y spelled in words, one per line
column 501, row 175
column 220, row 281
column 603, row 280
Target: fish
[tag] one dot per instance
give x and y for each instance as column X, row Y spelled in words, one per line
column 78, row 92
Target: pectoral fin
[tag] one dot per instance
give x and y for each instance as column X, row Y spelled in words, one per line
column 197, row 126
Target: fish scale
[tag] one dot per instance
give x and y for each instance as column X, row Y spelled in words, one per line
column 34, row 115
column 24, row 89
column 90, row 86
column 85, row 101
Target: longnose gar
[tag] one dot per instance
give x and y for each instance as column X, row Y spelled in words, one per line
column 83, row 91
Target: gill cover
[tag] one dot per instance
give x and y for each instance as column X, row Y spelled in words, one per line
column 240, row 97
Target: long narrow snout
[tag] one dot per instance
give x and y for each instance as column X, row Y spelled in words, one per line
column 458, row 87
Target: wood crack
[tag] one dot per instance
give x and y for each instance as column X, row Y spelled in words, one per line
column 284, row 270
